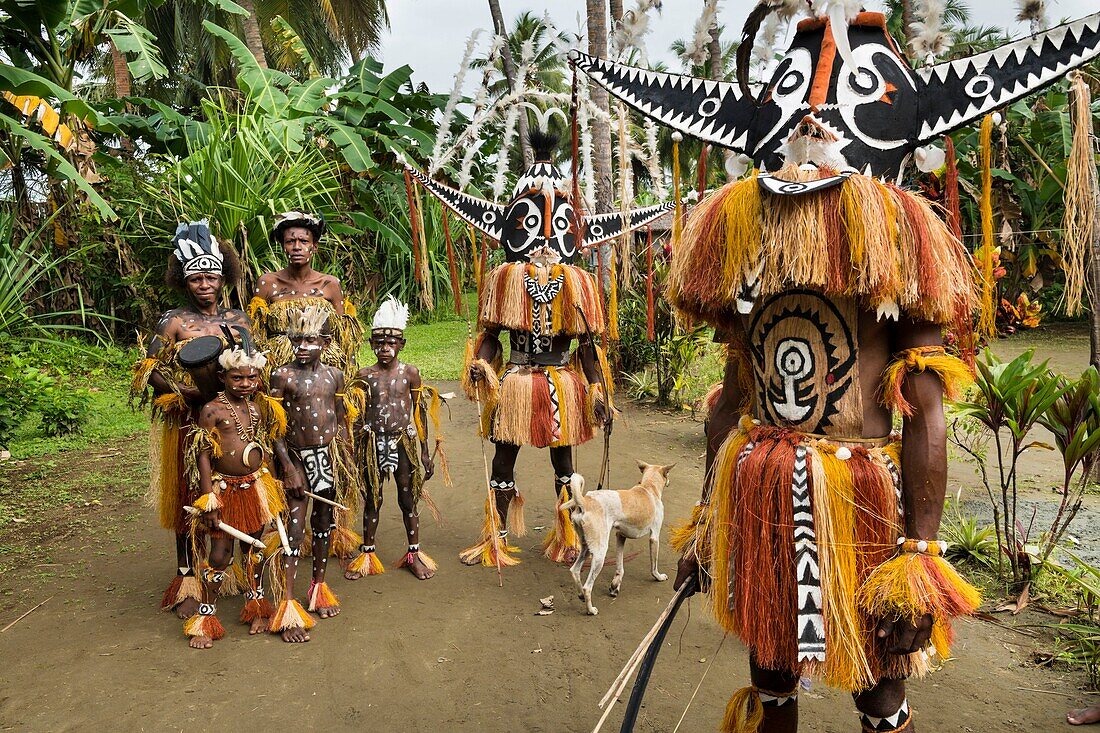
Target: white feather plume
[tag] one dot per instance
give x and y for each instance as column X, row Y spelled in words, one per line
column 850, row 8
column 929, row 38
column 392, row 314
column 696, row 48
column 443, row 136
column 1033, row 12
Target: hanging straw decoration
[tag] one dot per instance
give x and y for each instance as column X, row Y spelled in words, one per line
column 427, row 298
column 413, row 228
column 650, row 303
column 951, row 189
column 626, row 195
column 678, row 211
column 452, row 267
column 1080, row 216
column 701, row 183
column 613, row 303
column 483, row 266
column 987, row 318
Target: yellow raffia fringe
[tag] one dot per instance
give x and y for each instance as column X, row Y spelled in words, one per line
column 562, row 536
column 684, row 537
column 424, row 558
column 719, row 527
column 517, row 522
column 744, row 712
column 911, row 585
column 235, row 582
column 678, row 211
column 170, row 402
column 367, row 564
column 952, row 371
column 613, row 301
column 322, row 597
column 291, row 615
column 207, row 502
column 490, row 549
column 344, row 542
column 143, row 369
column 486, row 389
column 987, row 316
column 272, row 416
column 846, row 665
column 270, row 322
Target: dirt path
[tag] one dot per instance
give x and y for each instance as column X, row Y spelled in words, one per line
column 456, row 653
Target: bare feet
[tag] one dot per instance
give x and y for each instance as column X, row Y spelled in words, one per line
column 470, row 561
column 328, row 612
column 295, row 635
column 1084, row 716
column 187, row 608
column 419, row 569
column 258, row 626
column 352, row 575
column 200, row 642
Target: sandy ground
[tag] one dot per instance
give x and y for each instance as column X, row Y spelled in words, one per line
column 456, row 653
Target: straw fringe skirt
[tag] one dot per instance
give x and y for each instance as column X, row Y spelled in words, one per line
column 541, row 407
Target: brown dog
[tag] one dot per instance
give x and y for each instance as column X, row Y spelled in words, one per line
column 632, row 514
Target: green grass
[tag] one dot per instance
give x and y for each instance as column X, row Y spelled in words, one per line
column 109, row 417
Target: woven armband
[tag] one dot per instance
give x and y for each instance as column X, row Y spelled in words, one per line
column 952, row 371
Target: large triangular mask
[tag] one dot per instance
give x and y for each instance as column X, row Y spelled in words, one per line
column 539, row 214
column 851, row 102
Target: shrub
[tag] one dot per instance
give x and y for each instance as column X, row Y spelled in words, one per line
column 64, row 410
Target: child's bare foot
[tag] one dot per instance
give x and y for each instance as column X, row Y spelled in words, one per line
column 1084, row 716
column 328, row 612
column 258, row 626
column 187, row 608
column 419, row 569
column 352, row 575
column 295, row 635
column 200, row 642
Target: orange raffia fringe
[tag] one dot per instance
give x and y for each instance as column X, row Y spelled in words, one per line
column 862, row 239
column 911, row 585
column 710, row 400
column 207, row 502
column 507, row 303
column 407, row 560
column 208, row 626
column 452, row 268
column 490, row 549
column 562, row 537
column 345, row 543
column 952, row 371
column 524, row 416
column 322, row 597
column 256, row 608
column 744, row 712
column 290, row 615
column 367, row 563
column 180, row 589
column 987, row 316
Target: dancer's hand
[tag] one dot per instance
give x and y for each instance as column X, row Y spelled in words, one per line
column 687, row 567
column 211, row 519
column 905, row 636
column 604, row 416
column 294, row 484
column 429, row 465
column 477, row 373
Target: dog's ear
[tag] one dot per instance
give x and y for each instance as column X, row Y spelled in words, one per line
column 642, row 466
column 665, row 469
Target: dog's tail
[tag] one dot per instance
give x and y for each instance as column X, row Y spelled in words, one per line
column 576, row 492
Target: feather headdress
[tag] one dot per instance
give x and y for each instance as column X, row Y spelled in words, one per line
column 315, row 224
column 240, row 358
column 391, row 317
column 309, row 321
column 196, row 249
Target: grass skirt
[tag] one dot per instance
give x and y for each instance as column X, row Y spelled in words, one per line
column 541, row 407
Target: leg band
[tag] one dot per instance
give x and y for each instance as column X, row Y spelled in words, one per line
column 899, row 721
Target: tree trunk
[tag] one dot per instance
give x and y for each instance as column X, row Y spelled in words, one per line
column 906, row 21
column 122, row 84
column 252, row 37
column 616, row 11
column 714, row 49
column 601, row 129
column 510, row 74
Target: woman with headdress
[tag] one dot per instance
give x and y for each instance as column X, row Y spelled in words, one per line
column 198, row 269
column 279, row 294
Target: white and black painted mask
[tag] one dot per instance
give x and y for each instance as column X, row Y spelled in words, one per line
column 849, row 101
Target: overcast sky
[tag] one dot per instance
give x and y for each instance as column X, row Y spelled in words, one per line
column 430, row 35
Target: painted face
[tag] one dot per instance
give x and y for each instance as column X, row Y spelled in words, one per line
column 307, row 349
column 241, row 382
column 536, row 218
column 827, row 106
column 299, row 245
column 386, row 348
column 203, row 288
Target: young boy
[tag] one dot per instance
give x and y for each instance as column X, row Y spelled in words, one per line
column 391, row 439
column 313, row 457
column 227, row 459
